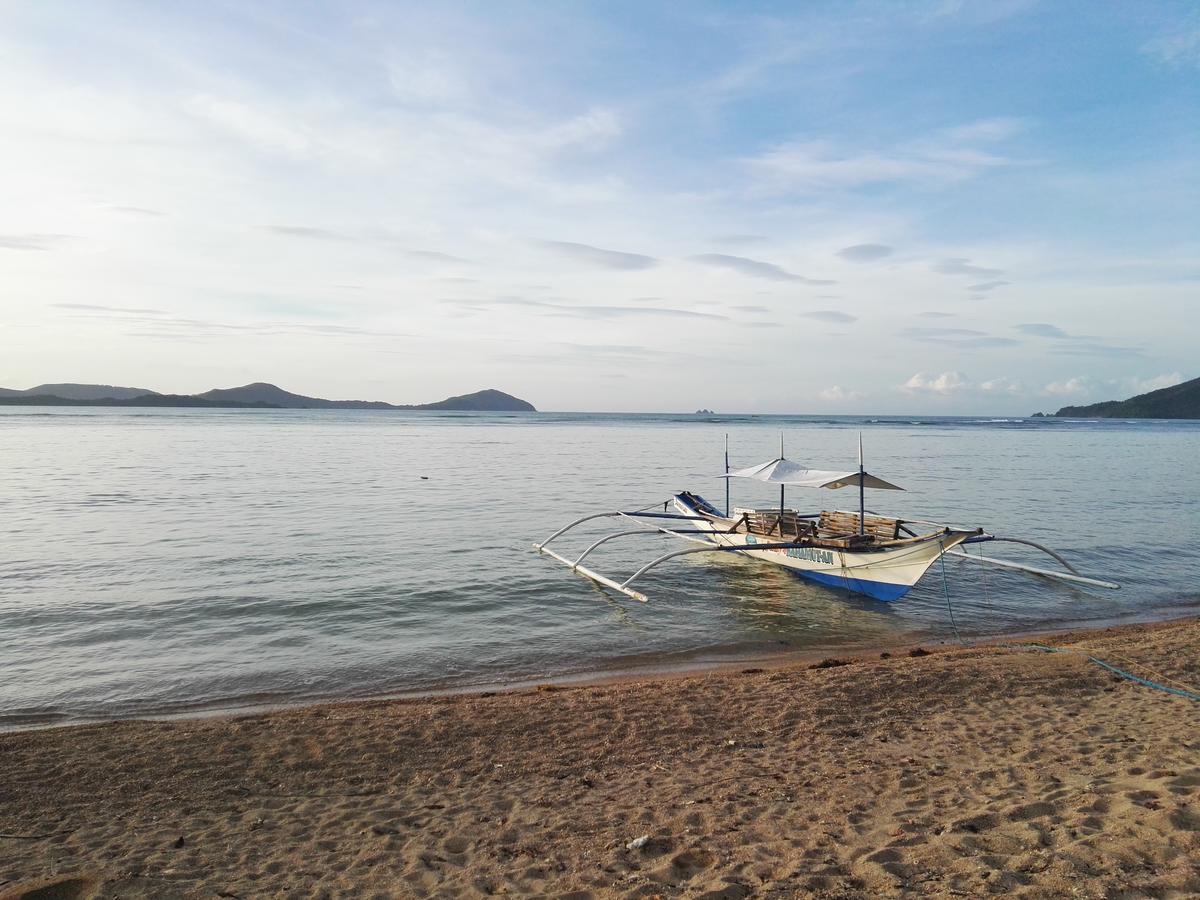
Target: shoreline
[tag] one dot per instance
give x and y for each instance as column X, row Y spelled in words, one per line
column 981, row 770
column 618, row 672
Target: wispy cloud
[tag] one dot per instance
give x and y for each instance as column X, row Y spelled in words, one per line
column 958, row 337
column 987, row 286
column 434, row 255
column 161, row 324
column 1085, row 347
column 1067, row 344
column 581, row 311
column 306, row 231
column 136, row 211
column 31, row 241
column 963, row 266
column 96, row 307
column 1042, row 329
column 830, row 315
column 598, row 256
column 865, row 252
column 756, row 268
column 253, row 124
column 738, row 240
column 1178, row 48
column 310, row 232
column 947, row 156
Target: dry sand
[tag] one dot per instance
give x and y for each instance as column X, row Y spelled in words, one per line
column 961, row 773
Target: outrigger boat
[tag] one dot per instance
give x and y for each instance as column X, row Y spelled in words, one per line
column 878, row 556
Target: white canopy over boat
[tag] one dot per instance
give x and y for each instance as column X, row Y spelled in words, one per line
column 783, row 471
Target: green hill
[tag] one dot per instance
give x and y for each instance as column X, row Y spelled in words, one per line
column 259, row 395
column 80, row 392
column 489, row 400
column 1181, row 401
column 270, row 395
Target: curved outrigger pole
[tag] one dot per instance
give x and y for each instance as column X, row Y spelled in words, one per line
column 646, row 528
column 1073, row 574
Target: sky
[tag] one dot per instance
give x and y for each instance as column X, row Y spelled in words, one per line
column 845, row 207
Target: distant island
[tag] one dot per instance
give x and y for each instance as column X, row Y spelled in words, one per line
column 1182, row 401
column 259, row 395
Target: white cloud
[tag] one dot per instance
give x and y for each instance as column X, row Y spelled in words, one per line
column 837, row 393
column 945, row 383
column 1002, row 385
column 1111, row 388
column 1157, row 382
column 1071, row 387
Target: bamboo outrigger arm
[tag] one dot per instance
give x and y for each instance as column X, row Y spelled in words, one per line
column 645, row 528
column 1048, row 573
column 623, row 586
column 635, row 516
column 1066, row 565
column 723, row 548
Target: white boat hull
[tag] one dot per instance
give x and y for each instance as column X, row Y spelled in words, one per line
column 885, row 573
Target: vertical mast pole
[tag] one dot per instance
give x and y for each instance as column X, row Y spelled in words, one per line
column 862, row 497
column 781, row 488
column 727, row 475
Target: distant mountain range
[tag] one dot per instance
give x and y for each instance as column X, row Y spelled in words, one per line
column 1182, row 401
column 252, row 396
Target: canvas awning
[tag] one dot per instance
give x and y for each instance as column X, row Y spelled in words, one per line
column 785, row 472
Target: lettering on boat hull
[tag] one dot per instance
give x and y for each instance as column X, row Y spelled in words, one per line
column 812, row 554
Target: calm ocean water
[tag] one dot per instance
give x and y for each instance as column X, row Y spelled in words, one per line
column 166, row 560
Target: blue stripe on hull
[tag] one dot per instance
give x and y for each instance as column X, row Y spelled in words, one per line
column 876, row 590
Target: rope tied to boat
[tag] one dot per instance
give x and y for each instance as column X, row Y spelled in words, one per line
column 949, row 606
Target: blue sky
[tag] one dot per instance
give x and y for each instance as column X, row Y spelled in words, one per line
column 843, row 207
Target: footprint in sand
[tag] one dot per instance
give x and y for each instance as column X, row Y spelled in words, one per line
column 77, row 887
column 1031, row 811
column 732, row 890
column 689, row 863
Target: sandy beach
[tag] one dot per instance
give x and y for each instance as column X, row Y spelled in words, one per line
column 961, row 772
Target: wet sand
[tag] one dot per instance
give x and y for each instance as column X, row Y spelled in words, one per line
column 964, row 772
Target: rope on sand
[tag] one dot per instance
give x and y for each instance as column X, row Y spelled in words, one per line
column 1129, row 676
column 1182, row 690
